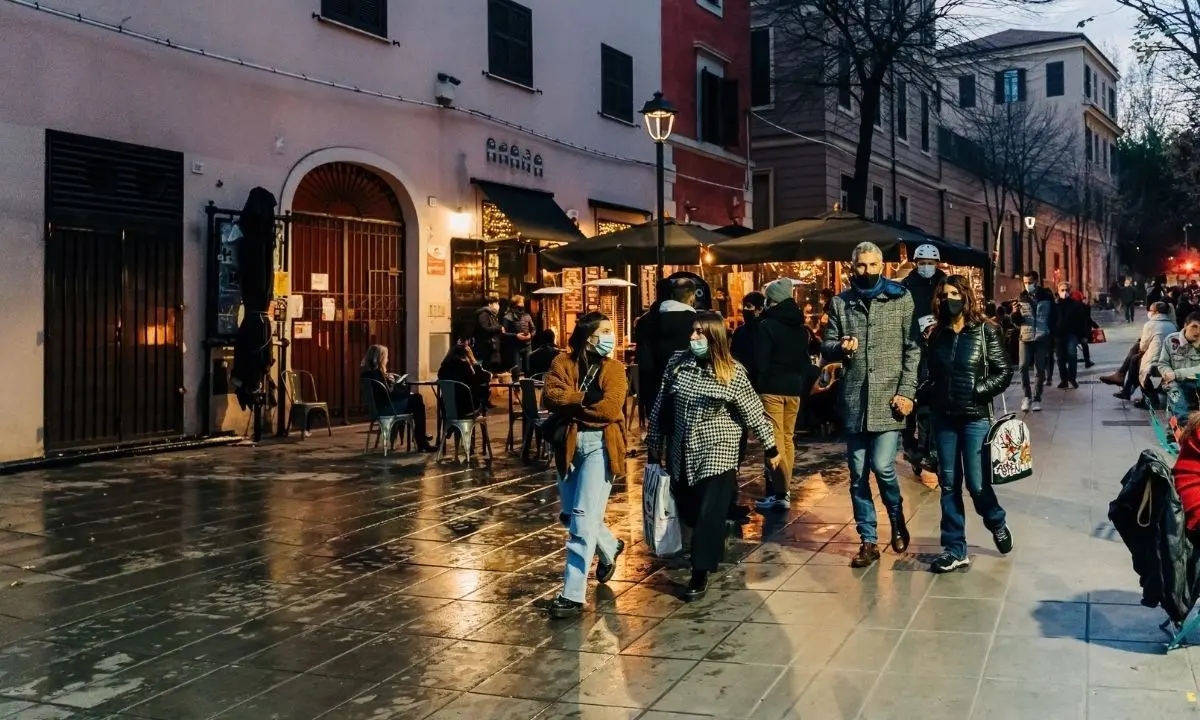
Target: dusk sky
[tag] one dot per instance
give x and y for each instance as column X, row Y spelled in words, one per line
column 1112, row 28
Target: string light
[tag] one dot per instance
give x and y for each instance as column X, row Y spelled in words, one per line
column 303, row 77
column 496, row 224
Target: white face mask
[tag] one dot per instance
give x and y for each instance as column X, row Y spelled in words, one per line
column 926, row 271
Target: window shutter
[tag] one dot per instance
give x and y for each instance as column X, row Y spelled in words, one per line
column 999, row 93
column 760, row 67
column 367, row 15
column 731, row 115
column 710, row 107
column 1021, row 85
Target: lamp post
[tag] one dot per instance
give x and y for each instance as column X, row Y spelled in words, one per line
column 660, row 120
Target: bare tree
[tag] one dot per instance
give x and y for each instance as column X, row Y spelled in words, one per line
column 853, row 53
column 1169, row 31
column 1018, row 151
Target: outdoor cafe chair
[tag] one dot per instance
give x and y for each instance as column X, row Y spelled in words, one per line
column 518, row 411
column 461, row 426
column 631, row 394
column 387, row 418
column 301, row 388
column 533, row 417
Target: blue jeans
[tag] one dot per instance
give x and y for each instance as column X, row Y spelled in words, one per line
column 1068, row 360
column 1182, row 399
column 1034, row 354
column 583, row 492
column 867, row 452
column 960, row 461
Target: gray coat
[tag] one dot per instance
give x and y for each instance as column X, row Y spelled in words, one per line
column 886, row 362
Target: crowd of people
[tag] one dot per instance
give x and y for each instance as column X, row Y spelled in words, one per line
column 921, row 360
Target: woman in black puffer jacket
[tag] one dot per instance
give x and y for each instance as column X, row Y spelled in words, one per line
column 968, row 368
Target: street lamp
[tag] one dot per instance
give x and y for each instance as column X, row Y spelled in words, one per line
column 660, row 120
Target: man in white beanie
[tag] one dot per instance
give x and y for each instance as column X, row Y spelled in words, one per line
column 782, row 366
column 919, row 449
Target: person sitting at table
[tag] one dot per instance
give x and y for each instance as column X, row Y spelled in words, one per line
column 544, row 352
column 393, row 392
column 461, row 366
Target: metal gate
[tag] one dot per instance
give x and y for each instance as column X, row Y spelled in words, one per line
column 350, row 272
column 114, row 293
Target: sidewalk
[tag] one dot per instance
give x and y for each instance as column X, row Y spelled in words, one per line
column 306, row 580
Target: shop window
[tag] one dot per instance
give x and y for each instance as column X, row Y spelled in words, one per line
column 606, row 227
column 366, row 15
column 510, row 41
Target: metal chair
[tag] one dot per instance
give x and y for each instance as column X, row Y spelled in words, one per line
column 517, row 412
column 301, row 388
column 462, row 426
column 387, row 418
column 532, row 419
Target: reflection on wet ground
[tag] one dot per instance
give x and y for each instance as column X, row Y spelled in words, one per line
column 306, row 580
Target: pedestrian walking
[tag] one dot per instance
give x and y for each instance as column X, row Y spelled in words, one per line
column 662, row 331
column 968, row 369
column 585, row 391
column 1128, row 296
column 705, row 401
column 872, row 332
column 782, row 367
column 1034, row 316
column 1072, row 328
column 920, row 451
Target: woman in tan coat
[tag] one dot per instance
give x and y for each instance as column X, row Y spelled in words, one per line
column 585, row 390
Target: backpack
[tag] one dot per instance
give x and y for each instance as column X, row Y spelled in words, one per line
column 1007, row 454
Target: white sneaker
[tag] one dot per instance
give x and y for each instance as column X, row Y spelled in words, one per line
column 1037, row 405
column 1025, row 405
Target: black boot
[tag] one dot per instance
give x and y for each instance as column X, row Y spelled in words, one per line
column 900, row 535
column 698, row 587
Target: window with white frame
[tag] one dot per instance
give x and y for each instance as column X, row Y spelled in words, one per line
column 718, row 113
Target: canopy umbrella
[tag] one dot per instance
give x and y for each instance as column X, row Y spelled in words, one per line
column 951, row 252
column 256, row 269
column 636, row 245
column 552, row 291
column 610, row 282
column 831, row 236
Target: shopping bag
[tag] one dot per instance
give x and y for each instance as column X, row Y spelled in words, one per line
column 1007, row 453
column 660, row 521
column 1098, row 336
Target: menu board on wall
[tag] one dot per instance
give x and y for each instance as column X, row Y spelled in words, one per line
column 229, row 283
column 593, row 293
column 573, row 281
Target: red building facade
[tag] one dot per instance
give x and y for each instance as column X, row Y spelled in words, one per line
column 706, row 75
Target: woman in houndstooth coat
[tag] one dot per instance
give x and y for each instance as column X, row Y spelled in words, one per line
column 705, row 401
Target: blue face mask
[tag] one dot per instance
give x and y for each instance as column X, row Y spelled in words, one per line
column 700, row 348
column 1030, row 288
column 605, row 344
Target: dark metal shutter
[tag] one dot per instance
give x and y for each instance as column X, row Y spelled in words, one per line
column 731, row 114
column 366, row 15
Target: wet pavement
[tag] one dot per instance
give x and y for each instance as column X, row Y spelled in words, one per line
column 305, row 580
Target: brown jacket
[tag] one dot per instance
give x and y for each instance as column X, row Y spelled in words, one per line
column 561, row 395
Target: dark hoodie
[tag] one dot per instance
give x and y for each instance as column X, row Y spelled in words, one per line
column 782, row 364
column 661, row 332
column 922, row 291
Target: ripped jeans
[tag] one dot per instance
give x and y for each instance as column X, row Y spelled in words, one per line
column 584, row 492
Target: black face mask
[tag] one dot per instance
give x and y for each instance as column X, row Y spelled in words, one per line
column 950, row 309
column 866, row 282
column 748, row 314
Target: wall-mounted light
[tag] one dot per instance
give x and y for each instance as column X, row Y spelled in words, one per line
column 459, row 222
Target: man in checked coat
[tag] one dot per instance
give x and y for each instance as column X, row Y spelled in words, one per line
column 872, row 332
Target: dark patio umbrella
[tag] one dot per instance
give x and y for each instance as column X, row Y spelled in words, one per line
column 635, row 246
column 951, row 252
column 832, row 236
column 256, row 271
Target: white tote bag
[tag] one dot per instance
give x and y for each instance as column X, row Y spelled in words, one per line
column 660, row 521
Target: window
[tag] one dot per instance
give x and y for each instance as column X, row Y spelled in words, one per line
column 1112, row 103
column 761, row 80
column 1087, row 141
column 937, row 97
column 877, row 203
column 966, row 91
column 903, row 210
column 879, row 113
column 764, row 201
column 843, row 79
column 366, row 15
column 844, row 195
column 1010, row 86
column 902, row 109
column 510, row 41
column 616, row 84
column 1112, row 159
column 1055, row 80
column 925, row 121
column 717, row 109
column 987, row 236
column 713, row 6
column 1087, row 81
column 967, row 231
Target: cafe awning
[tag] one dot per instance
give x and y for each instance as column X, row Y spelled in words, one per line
column 533, row 213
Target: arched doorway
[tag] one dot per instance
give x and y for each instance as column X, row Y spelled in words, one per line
column 347, row 248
